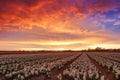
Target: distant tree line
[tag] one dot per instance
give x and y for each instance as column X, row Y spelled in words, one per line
column 101, row 49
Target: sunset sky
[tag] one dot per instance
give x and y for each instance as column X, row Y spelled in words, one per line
column 59, row 24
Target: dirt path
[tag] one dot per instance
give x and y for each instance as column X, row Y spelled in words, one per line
column 107, row 74
column 58, row 71
column 55, row 71
column 2, row 78
column 40, row 77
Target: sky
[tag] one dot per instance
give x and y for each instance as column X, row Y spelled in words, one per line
column 59, row 24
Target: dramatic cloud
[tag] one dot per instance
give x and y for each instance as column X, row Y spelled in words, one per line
column 87, row 22
column 117, row 23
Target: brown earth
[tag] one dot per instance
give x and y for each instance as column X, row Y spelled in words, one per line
column 105, row 72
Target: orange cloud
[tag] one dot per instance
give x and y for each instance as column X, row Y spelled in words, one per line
column 64, row 22
column 44, row 13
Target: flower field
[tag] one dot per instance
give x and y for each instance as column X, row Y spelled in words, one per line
column 61, row 66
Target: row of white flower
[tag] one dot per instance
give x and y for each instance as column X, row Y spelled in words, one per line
column 81, row 69
column 107, row 60
column 21, row 67
column 17, row 58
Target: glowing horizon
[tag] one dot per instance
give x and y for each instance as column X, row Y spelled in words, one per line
column 59, row 24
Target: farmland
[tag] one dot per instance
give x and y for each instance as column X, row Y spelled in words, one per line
column 60, row 65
